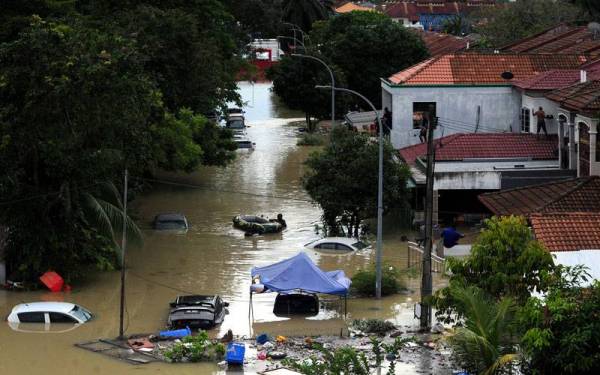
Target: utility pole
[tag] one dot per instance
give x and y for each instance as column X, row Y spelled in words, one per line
column 426, row 283
column 123, row 246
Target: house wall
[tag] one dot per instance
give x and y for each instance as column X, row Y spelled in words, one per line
column 456, row 108
column 534, row 102
column 593, row 143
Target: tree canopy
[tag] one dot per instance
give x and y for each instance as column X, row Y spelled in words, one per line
column 343, row 177
column 88, row 89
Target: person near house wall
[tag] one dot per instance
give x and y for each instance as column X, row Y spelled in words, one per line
column 541, row 121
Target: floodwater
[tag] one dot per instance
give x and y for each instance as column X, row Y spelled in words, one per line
column 212, row 258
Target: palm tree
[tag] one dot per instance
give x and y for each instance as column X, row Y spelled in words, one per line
column 483, row 344
column 103, row 209
column 304, row 12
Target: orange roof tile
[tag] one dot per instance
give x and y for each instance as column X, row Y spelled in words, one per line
column 576, row 194
column 569, row 231
column 583, row 97
column 562, row 39
column 456, row 147
column 350, row 7
column 550, row 80
column 439, row 43
column 478, row 68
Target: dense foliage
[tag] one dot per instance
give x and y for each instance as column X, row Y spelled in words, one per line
column 501, row 26
column 92, row 88
column 343, row 177
column 294, row 81
column 505, row 261
column 195, row 349
column 562, row 335
column 367, row 46
column 502, row 325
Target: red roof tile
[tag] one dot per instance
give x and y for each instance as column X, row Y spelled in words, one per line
column 412, row 9
column 550, row 80
column 583, row 97
column 458, row 147
column 439, row 43
column 567, row 231
column 577, row 194
column 561, row 39
column 477, row 68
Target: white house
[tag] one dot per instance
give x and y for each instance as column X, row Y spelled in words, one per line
column 466, row 92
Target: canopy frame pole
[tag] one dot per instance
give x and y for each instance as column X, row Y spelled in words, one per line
column 345, row 306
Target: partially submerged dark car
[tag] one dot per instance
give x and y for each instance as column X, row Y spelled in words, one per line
column 197, row 311
column 171, row 221
column 296, row 303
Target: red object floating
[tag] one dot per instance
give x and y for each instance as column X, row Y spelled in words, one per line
column 53, row 281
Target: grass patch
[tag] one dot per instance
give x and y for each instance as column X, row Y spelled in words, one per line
column 311, row 139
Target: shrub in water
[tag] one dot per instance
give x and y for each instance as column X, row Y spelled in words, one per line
column 363, row 282
column 310, row 139
column 373, row 325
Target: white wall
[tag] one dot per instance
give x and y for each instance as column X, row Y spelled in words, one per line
column 550, row 108
column 457, row 109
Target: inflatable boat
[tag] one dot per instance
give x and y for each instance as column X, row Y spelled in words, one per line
column 256, row 224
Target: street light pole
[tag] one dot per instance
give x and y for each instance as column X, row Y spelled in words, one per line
column 123, row 246
column 379, row 188
column 333, row 88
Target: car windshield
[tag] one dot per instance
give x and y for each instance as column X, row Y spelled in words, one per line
column 81, row 313
column 235, row 124
column 359, row 245
column 171, row 224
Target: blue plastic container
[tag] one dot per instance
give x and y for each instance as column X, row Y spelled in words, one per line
column 177, row 333
column 235, row 353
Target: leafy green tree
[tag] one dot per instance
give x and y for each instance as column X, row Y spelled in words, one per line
column 261, row 18
column 294, row 81
column 304, row 12
column 505, row 261
column 517, row 20
column 591, row 6
column 367, row 46
column 562, row 329
column 483, row 344
column 342, row 179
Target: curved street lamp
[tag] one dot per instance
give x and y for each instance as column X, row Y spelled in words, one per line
column 333, row 88
column 379, row 186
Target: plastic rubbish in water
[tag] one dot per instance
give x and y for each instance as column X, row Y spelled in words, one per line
column 262, row 356
column 53, row 281
column 281, row 339
column 262, row 338
column 178, row 333
column 268, row 345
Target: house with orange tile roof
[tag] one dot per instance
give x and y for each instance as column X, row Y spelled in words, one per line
column 350, row 7
column 466, row 92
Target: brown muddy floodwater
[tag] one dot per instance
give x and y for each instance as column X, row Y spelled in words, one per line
column 212, row 258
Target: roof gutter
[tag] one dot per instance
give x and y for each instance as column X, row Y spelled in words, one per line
column 397, row 85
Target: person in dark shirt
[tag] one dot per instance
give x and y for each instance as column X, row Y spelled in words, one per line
column 451, row 237
column 541, row 121
column 281, row 221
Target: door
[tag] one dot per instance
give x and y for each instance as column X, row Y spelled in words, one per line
column 584, row 150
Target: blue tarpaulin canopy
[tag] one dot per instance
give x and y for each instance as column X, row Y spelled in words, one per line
column 300, row 273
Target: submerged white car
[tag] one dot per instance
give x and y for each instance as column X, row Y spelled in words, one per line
column 49, row 312
column 338, row 245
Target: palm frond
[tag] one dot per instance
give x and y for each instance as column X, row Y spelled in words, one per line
column 500, row 363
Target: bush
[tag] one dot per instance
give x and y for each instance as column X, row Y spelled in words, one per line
column 195, row 349
column 363, row 282
column 311, row 139
column 373, row 325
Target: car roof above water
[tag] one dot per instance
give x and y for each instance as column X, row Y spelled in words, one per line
column 62, row 307
column 170, row 217
column 195, row 299
column 342, row 240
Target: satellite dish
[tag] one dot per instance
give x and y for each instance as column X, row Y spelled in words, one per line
column 594, row 29
column 507, row 75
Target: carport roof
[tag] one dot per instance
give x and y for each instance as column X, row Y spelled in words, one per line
column 572, row 195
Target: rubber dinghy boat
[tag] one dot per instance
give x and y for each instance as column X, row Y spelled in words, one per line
column 256, row 224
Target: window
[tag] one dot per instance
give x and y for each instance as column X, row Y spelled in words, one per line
column 359, row 245
column 32, row 317
column 326, row 246
column 339, row 246
column 525, row 120
column 61, row 318
column 422, row 113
